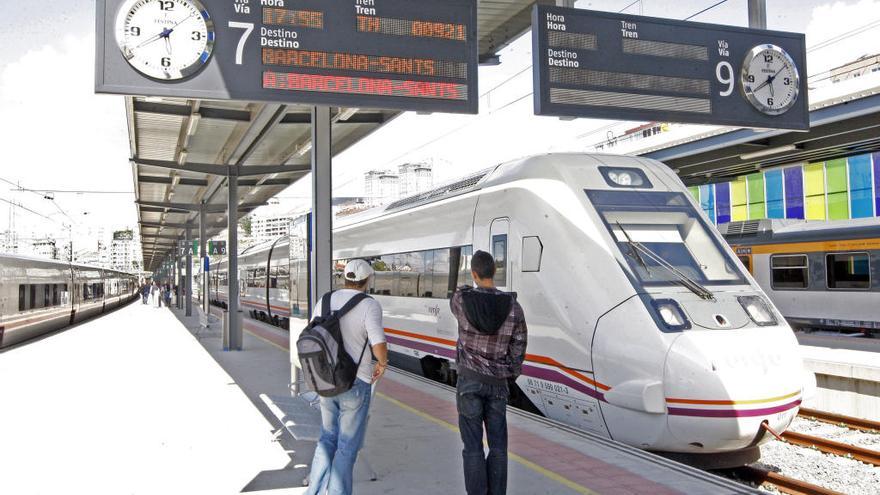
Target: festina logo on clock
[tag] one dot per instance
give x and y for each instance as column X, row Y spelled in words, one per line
column 770, row 79
column 166, row 40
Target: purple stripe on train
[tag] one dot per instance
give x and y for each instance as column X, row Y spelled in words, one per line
column 557, row 377
column 732, row 413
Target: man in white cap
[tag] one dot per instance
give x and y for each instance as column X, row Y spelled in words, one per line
column 344, row 416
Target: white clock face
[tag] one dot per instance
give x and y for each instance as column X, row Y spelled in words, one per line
column 165, row 39
column 770, row 79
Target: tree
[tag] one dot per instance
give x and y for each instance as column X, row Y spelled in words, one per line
column 245, row 224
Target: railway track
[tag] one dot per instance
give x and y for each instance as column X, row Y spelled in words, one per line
column 832, row 447
column 841, row 420
column 783, row 483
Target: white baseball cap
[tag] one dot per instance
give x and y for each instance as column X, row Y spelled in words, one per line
column 357, row 270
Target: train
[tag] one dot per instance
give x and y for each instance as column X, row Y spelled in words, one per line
column 644, row 326
column 821, row 275
column 40, row 296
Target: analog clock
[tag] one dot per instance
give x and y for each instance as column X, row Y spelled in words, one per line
column 165, row 39
column 770, row 79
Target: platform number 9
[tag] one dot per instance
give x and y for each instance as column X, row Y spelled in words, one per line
column 724, row 73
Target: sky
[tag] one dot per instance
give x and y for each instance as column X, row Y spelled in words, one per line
column 55, row 133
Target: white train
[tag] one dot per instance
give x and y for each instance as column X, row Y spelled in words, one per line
column 40, row 296
column 821, row 275
column 643, row 325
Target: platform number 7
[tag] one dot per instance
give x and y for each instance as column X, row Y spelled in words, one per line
column 248, row 29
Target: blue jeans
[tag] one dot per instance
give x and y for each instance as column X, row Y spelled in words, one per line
column 482, row 404
column 343, row 425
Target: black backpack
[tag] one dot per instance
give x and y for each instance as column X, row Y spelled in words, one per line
column 327, row 368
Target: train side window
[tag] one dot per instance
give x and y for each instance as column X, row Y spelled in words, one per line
column 22, row 297
column 463, row 267
column 499, row 252
column 426, row 279
column 33, row 299
column 848, row 270
column 47, row 295
column 384, row 276
column 790, row 271
column 411, row 266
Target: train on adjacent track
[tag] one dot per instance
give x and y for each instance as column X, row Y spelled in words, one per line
column 40, row 296
column 643, row 325
column 821, row 275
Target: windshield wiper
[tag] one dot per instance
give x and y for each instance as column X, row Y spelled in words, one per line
column 683, row 279
column 634, row 252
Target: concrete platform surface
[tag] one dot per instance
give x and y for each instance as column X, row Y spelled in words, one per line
column 128, row 403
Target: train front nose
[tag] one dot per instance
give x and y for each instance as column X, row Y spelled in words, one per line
column 721, row 385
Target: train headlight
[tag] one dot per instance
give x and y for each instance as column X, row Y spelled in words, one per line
column 757, row 310
column 670, row 314
column 625, row 177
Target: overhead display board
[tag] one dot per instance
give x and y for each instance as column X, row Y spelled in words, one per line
column 397, row 54
column 625, row 67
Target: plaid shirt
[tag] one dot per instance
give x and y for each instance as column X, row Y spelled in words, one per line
column 499, row 356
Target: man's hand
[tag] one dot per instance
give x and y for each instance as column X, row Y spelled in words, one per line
column 378, row 371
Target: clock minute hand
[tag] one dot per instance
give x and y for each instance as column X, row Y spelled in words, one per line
column 154, row 38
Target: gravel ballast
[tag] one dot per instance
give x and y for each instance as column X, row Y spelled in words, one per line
column 834, row 472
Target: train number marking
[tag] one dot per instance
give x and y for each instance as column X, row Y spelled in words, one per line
column 547, row 386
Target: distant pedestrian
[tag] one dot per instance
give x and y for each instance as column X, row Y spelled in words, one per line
column 491, row 347
column 344, row 416
column 154, row 289
column 168, row 295
column 145, row 292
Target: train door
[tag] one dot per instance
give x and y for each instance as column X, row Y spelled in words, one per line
column 499, row 248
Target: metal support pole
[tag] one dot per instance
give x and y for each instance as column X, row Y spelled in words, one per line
column 321, row 256
column 235, row 336
column 758, row 14
column 203, row 255
column 188, row 269
column 178, row 277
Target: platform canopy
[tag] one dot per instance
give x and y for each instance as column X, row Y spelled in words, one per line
column 182, row 150
column 844, row 121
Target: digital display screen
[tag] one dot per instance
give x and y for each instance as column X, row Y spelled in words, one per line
column 396, row 54
column 625, row 67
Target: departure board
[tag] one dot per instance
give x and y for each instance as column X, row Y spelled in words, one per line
column 396, row 54
column 625, row 67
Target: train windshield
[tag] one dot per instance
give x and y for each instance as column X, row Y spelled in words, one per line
column 669, row 227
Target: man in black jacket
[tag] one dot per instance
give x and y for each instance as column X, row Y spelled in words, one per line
column 490, row 351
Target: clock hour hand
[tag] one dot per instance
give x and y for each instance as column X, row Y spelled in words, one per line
column 768, row 81
column 163, row 34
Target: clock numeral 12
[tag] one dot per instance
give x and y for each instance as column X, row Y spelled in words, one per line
column 166, row 5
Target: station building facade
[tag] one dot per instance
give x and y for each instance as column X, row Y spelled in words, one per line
column 838, row 189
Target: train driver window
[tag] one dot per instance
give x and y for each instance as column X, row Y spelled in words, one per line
column 790, row 271
column 499, row 252
column 848, row 270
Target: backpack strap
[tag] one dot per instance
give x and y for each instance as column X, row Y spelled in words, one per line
column 325, row 304
column 354, row 301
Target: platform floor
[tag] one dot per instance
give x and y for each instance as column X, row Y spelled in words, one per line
column 133, row 403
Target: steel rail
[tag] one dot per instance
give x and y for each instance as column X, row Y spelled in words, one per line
column 785, row 484
column 840, row 420
column 831, row 447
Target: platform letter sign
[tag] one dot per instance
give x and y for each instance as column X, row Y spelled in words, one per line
column 398, row 54
column 624, row 67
